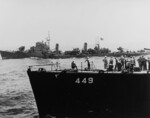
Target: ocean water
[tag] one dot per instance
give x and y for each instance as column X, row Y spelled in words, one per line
column 16, row 96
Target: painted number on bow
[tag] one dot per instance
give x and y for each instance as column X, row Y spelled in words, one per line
column 88, row 80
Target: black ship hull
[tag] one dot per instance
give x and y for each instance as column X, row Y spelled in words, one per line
column 91, row 94
column 13, row 55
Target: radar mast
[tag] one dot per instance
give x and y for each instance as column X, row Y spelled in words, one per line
column 48, row 40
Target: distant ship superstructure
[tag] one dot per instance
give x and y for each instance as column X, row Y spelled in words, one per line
column 41, row 49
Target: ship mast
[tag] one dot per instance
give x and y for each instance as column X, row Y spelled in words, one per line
column 98, row 43
column 48, row 40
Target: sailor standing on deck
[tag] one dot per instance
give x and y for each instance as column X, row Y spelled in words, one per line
column 105, row 62
column 126, row 59
column 111, row 61
column 122, row 60
column 143, row 63
column 128, row 65
column 140, row 62
column 74, row 66
column 119, row 66
column 88, row 63
column 148, row 60
column 132, row 63
column 116, row 64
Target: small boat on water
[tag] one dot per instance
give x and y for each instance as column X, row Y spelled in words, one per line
column 91, row 94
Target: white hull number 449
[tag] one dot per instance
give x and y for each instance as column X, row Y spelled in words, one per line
column 85, row 80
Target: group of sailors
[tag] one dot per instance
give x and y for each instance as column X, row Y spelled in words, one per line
column 126, row 63
column 144, row 64
column 120, row 63
column 123, row 62
column 74, row 66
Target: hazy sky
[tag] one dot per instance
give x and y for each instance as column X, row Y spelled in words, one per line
column 123, row 23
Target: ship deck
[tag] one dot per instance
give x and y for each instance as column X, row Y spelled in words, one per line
column 94, row 71
column 141, row 72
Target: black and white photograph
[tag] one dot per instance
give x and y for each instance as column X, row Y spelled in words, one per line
column 74, row 59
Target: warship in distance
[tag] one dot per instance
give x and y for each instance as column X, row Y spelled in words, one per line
column 94, row 93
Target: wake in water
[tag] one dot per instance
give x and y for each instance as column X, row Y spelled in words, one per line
column 16, row 96
column 18, row 105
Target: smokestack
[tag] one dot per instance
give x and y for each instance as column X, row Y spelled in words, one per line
column 85, row 46
column 57, row 48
